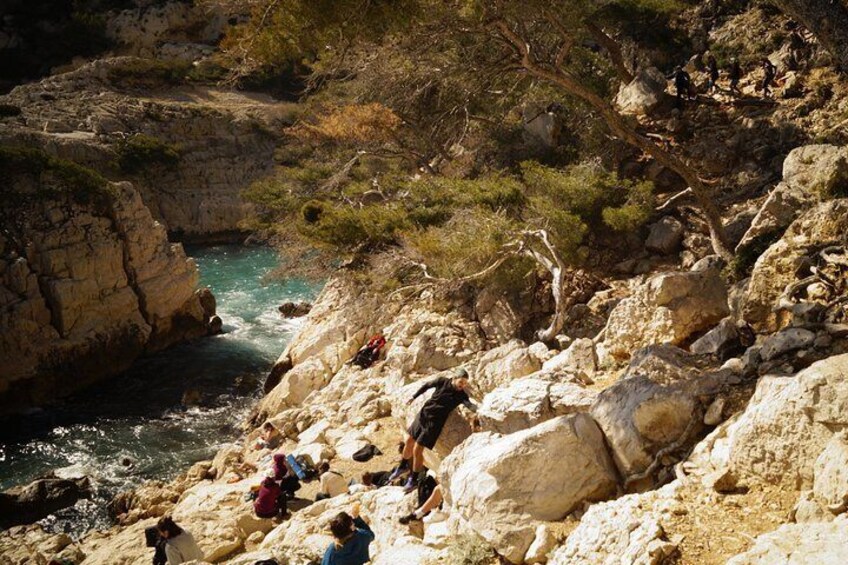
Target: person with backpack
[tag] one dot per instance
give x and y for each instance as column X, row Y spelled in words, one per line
column 351, row 540
column 332, row 483
column 289, row 482
column 270, row 501
column 425, row 430
column 179, row 543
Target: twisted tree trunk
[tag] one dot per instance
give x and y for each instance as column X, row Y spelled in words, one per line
column 827, row 19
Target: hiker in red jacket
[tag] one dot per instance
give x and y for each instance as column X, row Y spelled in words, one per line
column 270, row 501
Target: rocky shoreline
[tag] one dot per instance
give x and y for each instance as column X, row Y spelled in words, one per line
column 633, row 428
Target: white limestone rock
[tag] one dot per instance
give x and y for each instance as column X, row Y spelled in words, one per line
column 498, row 486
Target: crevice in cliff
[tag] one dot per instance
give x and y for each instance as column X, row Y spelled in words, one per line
column 132, row 283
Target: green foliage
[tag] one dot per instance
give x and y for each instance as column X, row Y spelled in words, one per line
column 139, row 73
column 50, row 176
column 465, row 244
column 469, row 550
column 140, row 152
column 743, row 262
column 349, row 228
column 585, row 198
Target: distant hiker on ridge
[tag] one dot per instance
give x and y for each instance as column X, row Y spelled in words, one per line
column 428, row 424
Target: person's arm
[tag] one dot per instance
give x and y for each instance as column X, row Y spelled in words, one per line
column 469, row 405
column 364, row 528
column 328, row 556
column 427, row 386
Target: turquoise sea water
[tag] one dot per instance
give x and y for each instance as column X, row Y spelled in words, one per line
column 139, row 415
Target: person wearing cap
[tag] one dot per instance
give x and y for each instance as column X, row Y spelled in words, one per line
column 425, row 430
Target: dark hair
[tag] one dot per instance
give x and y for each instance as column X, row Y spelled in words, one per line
column 268, row 426
column 341, row 526
column 367, row 479
column 167, row 525
column 324, row 467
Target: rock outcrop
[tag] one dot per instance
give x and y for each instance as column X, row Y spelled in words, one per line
column 811, row 173
column 85, row 288
column 27, row 504
column 789, row 260
column 668, row 308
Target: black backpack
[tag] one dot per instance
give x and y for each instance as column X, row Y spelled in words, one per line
column 425, row 489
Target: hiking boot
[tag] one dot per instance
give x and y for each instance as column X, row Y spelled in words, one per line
column 411, row 484
column 404, row 520
column 399, row 470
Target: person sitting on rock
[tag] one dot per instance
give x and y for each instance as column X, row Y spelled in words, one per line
column 269, row 438
column 179, row 543
column 271, row 501
column 332, row 483
column 432, row 502
column 366, row 484
column 352, row 536
column 428, row 424
column 289, row 482
column 370, row 352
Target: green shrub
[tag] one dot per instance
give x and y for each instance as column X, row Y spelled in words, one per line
column 469, row 550
column 142, row 151
column 743, row 262
column 148, row 73
column 53, row 176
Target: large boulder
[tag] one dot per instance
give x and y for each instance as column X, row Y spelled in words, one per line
column 788, row 423
column 799, row 544
column 658, row 402
column 810, row 174
column 525, row 402
column 665, row 236
column 503, row 364
column 643, row 94
column 40, row 498
column 498, row 486
column 668, row 308
column 579, row 357
column 778, row 267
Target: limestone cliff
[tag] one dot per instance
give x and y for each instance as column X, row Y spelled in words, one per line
column 87, row 284
column 120, row 115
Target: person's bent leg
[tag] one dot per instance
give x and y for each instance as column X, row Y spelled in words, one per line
column 405, row 458
column 417, row 458
column 432, row 502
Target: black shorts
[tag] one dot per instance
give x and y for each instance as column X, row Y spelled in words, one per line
column 425, row 433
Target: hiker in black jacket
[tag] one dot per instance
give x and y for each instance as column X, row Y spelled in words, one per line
column 428, row 424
